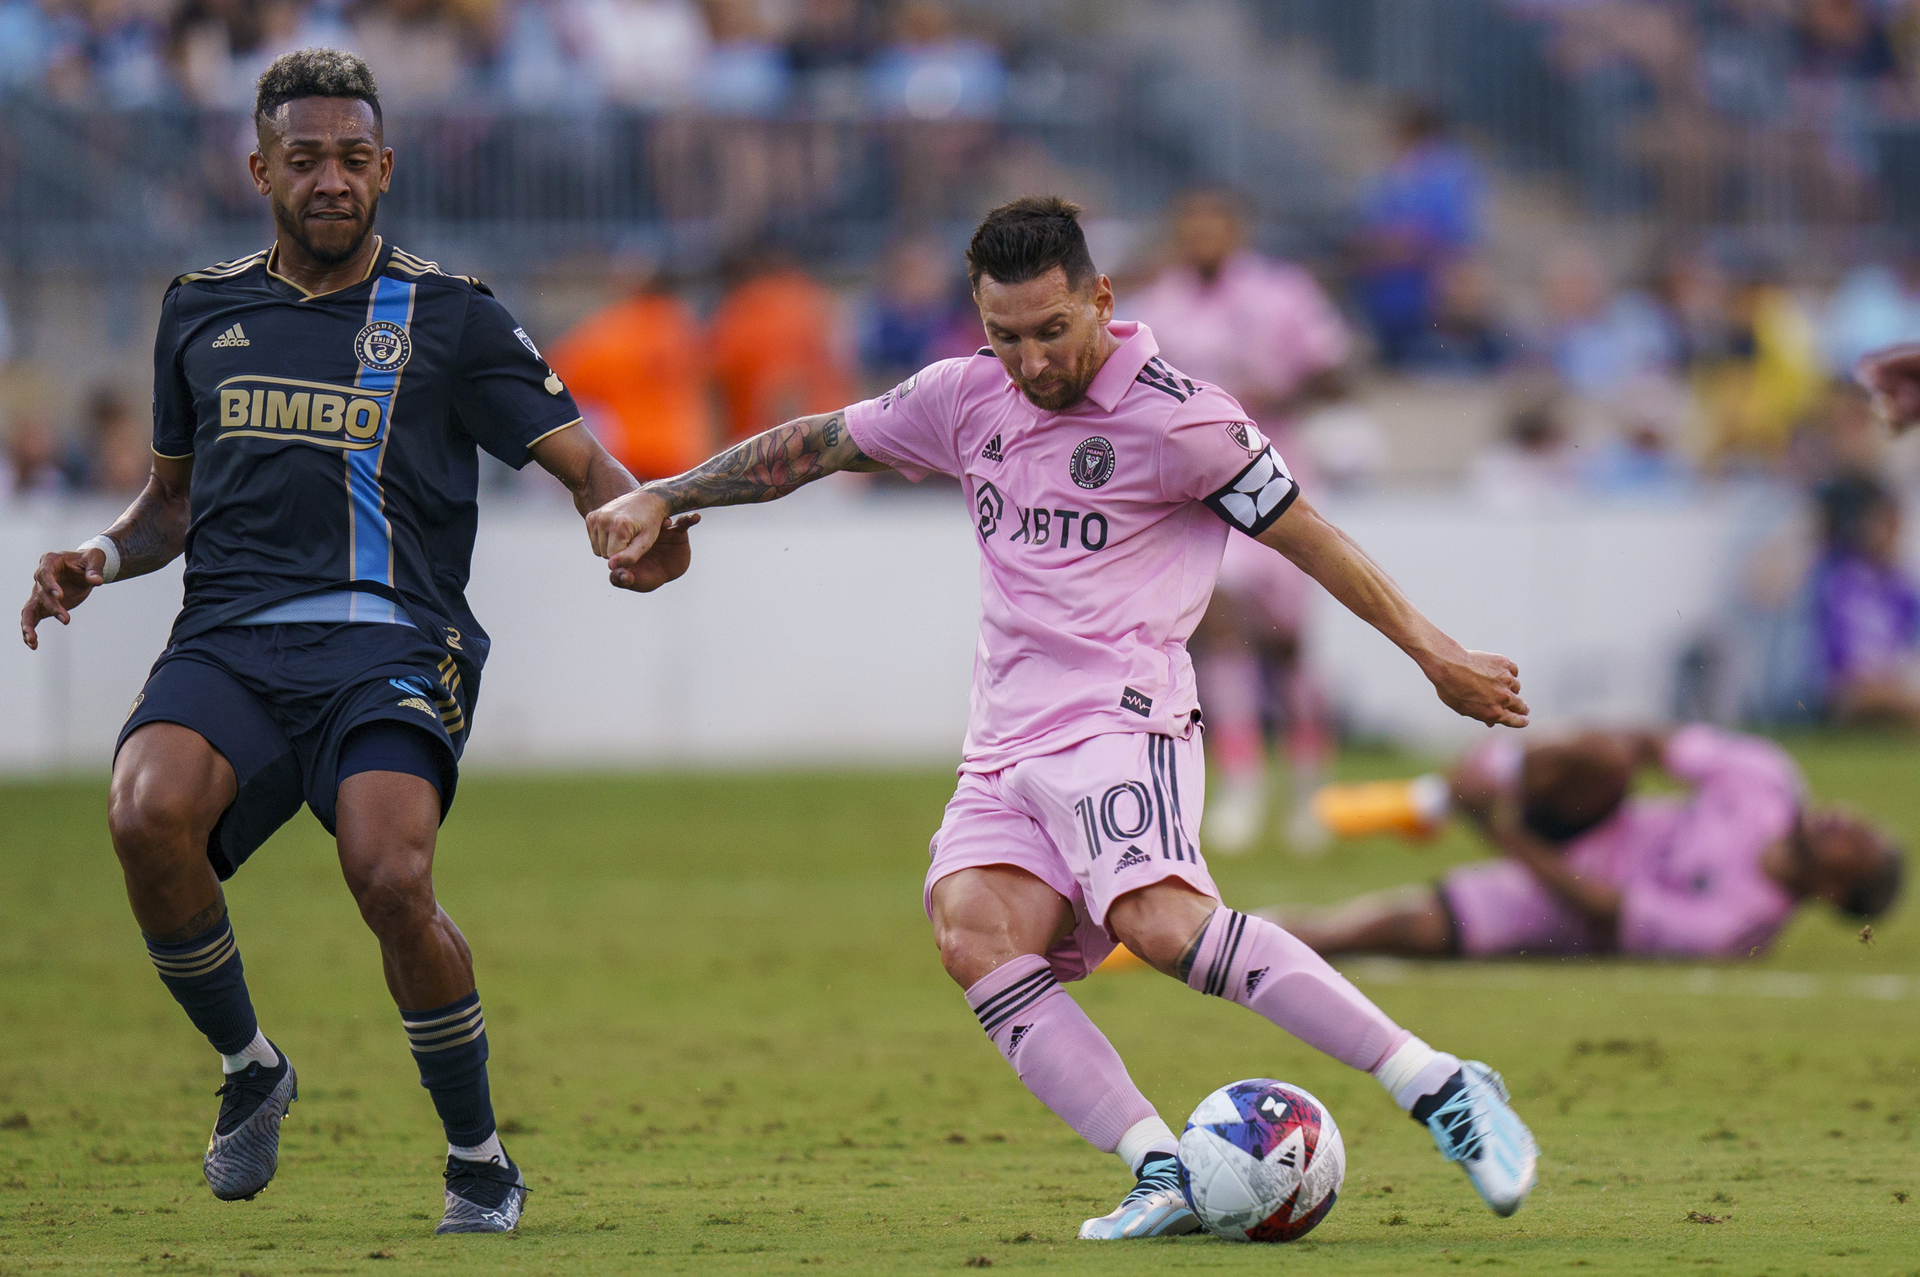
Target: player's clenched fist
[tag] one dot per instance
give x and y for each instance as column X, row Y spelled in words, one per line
column 1892, row 377
column 61, row 582
column 643, row 547
column 1483, row 686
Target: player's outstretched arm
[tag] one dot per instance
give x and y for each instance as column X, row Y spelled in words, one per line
column 146, row 538
column 763, row 468
column 1478, row 685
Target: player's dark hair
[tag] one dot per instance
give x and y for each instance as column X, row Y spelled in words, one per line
column 1028, row 237
column 314, row 73
column 1875, row 893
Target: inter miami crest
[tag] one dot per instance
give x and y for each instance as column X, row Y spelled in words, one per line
column 383, row 346
column 1093, row 462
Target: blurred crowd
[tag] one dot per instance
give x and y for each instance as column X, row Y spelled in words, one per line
column 909, row 58
column 1743, row 102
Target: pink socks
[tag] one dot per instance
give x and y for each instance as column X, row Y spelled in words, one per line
column 1260, row 966
column 1231, row 688
column 1064, row 1060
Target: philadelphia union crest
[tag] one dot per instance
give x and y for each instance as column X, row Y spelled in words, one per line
column 383, row 346
column 1093, row 462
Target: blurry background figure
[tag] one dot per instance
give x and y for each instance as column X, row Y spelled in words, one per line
column 919, row 312
column 1462, row 333
column 1421, row 214
column 638, row 370
column 1600, row 340
column 1532, row 467
column 942, row 90
column 778, row 350
column 115, row 454
column 643, row 53
column 1641, row 457
column 32, row 460
column 1874, row 306
column 1586, row 867
column 1262, row 331
column 1769, row 376
column 1866, row 608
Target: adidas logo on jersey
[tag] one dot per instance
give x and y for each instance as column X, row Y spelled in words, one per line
column 1134, row 856
column 992, row 451
column 232, row 337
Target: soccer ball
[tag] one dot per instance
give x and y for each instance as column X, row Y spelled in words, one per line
column 1261, row 1161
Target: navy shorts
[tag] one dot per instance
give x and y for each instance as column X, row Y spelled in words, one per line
column 279, row 702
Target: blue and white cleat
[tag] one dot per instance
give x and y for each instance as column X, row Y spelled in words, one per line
column 1473, row 1123
column 1155, row 1208
column 483, row 1197
column 244, row 1151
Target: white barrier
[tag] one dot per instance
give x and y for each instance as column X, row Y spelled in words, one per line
column 838, row 627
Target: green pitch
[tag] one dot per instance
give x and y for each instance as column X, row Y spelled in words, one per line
column 722, row 1042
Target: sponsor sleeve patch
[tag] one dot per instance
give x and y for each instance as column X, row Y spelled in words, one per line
column 1258, row 495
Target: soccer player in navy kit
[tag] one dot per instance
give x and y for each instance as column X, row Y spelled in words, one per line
column 317, row 412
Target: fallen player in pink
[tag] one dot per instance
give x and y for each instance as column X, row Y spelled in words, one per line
column 1587, row 868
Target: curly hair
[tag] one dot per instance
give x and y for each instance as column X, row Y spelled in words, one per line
column 314, row 73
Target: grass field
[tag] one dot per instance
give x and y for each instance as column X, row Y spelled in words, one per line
column 722, row 1043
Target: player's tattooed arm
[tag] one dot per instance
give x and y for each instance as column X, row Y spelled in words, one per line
column 767, row 466
column 147, row 537
column 630, row 532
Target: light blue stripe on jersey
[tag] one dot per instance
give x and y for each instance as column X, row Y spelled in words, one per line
column 331, row 608
column 372, row 534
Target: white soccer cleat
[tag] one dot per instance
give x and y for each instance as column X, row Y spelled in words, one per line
column 1473, row 1123
column 1155, row 1208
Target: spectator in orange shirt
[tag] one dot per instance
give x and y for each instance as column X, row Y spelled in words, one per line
column 776, row 347
column 639, row 371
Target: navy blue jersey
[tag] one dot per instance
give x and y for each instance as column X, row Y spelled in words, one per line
column 334, row 438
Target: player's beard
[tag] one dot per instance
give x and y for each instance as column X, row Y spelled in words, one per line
column 293, row 225
column 1064, row 394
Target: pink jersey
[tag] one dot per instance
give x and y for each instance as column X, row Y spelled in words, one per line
column 1696, row 885
column 1100, row 529
column 1259, row 330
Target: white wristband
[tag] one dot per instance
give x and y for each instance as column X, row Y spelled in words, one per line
column 105, row 545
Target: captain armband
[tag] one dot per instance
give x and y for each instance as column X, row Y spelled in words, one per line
column 105, row 545
column 1258, row 495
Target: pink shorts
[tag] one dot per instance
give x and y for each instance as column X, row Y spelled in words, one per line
column 1499, row 907
column 1110, row 815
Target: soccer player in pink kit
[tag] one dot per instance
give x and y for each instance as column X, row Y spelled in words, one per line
column 1103, row 484
column 1588, row 870
column 1262, row 331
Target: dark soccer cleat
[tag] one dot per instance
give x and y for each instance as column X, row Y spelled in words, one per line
column 245, row 1149
column 1155, row 1208
column 483, row 1197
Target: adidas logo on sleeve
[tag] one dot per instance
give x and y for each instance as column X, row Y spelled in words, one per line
column 232, row 337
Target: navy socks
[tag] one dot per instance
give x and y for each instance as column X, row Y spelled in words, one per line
column 205, row 977
column 450, row 1046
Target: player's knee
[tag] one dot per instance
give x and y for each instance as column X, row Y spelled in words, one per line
column 395, row 896
column 153, row 824
column 967, row 953
column 1160, row 925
